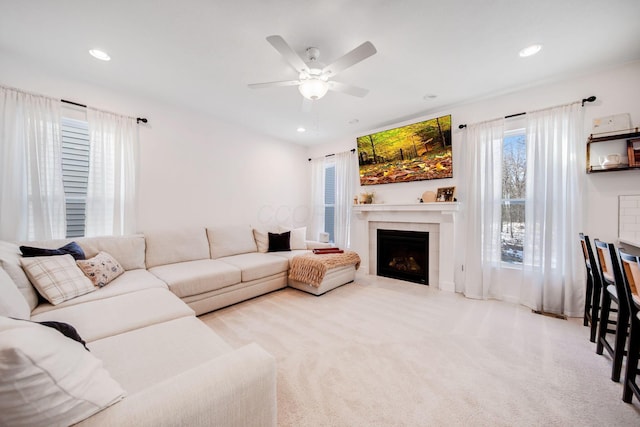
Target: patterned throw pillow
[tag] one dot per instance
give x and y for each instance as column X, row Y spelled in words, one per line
column 101, row 269
column 57, row 278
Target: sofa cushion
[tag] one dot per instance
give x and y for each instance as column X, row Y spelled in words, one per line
column 289, row 255
column 227, row 241
column 101, row 269
column 195, row 277
column 256, row 265
column 57, row 278
column 129, row 251
column 10, row 257
column 71, row 248
column 169, row 247
column 122, row 313
column 12, row 302
column 167, row 349
column 129, row 281
column 48, row 379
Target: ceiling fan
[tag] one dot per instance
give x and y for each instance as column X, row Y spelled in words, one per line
column 314, row 78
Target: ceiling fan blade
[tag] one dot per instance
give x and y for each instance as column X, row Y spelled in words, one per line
column 288, row 53
column 306, row 105
column 274, row 84
column 358, row 54
column 348, row 89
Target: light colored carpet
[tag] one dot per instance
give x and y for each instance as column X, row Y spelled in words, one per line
column 381, row 352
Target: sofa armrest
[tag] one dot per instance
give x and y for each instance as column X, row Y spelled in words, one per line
column 312, row 244
column 235, row 389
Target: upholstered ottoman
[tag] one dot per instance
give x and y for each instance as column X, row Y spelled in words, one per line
column 318, row 274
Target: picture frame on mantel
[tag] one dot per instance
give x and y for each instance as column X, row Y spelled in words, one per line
column 446, row 194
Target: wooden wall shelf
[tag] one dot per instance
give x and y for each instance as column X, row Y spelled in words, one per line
column 625, row 144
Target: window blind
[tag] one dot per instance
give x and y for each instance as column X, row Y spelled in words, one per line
column 329, row 200
column 75, row 172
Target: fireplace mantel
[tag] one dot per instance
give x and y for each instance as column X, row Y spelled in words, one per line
column 443, row 207
column 437, row 217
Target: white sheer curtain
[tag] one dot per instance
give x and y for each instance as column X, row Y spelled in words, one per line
column 316, row 223
column 346, row 173
column 553, row 280
column 32, row 204
column 113, row 163
column 483, row 189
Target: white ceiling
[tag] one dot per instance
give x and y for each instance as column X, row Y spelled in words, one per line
column 201, row 54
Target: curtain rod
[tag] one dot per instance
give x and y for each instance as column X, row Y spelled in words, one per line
column 138, row 119
column 589, row 99
column 353, row 150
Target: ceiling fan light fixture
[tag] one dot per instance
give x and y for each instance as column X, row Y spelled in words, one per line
column 99, row 54
column 530, row 50
column 313, row 88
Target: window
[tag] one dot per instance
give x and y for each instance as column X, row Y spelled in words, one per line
column 514, row 165
column 330, row 200
column 75, row 173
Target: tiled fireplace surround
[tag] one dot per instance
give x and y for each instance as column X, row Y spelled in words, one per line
column 438, row 219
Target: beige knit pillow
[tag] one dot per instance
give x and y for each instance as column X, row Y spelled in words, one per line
column 101, row 269
column 57, row 278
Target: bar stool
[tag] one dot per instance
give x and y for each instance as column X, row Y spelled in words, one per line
column 631, row 275
column 594, row 287
column 613, row 292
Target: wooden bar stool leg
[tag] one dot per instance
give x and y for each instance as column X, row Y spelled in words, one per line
column 595, row 313
column 621, row 338
column 632, row 362
column 588, row 300
column 604, row 321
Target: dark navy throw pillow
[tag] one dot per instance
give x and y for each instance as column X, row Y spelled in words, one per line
column 64, row 328
column 279, row 242
column 72, row 249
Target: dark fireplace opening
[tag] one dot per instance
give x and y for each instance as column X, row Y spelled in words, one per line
column 404, row 255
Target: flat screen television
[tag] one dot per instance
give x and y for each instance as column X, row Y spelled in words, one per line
column 414, row 152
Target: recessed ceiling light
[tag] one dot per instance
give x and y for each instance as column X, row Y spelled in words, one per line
column 531, row 50
column 301, row 129
column 98, row 54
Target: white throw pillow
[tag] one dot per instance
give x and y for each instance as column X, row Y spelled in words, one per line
column 10, row 257
column 101, row 269
column 12, row 303
column 262, row 239
column 57, row 278
column 47, row 379
column 298, row 237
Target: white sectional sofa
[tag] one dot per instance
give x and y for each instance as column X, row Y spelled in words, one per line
column 143, row 325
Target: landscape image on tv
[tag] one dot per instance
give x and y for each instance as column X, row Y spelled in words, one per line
column 413, row 152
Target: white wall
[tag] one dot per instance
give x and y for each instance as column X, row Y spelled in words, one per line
column 617, row 91
column 194, row 169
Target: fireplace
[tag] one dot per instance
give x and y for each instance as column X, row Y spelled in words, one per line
column 403, row 255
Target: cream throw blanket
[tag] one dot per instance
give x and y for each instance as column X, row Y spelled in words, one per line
column 311, row 268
